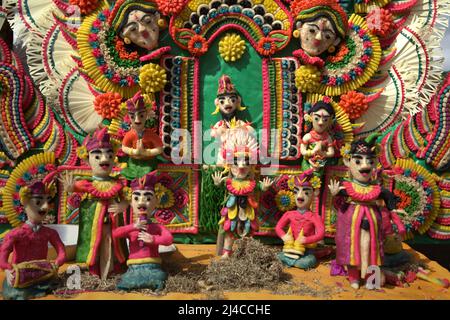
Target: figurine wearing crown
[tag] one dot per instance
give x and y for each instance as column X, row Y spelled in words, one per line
column 359, row 238
column 144, row 262
column 141, row 144
column 318, row 145
column 304, row 228
column 239, row 214
column 228, row 103
column 30, row 274
column 106, row 198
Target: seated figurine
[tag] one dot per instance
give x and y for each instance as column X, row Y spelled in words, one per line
column 305, row 228
column 144, row 262
column 30, row 274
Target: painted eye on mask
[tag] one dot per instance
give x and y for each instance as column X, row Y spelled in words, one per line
column 97, row 157
column 358, row 162
column 136, row 198
column 312, row 31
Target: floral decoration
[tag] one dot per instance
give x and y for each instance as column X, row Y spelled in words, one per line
column 232, row 47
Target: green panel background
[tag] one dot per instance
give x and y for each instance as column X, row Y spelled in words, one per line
column 246, row 75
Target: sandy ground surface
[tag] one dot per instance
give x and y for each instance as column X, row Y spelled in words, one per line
column 313, row 284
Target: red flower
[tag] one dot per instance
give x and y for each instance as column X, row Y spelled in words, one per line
column 50, row 167
column 165, row 179
column 197, row 45
column 108, row 104
column 168, row 7
column 268, row 200
column 354, row 104
column 380, row 22
column 86, row 6
column 266, row 46
column 33, row 170
column 164, row 216
column 181, row 198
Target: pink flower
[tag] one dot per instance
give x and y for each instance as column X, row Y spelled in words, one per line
column 50, row 167
column 130, row 80
column 16, row 196
column 20, row 182
column 165, row 179
column 164, row 216
column 116, row 78
column 361, row 32
column 181, row 198
column 33, row 170
column 359, row 71
column 97, row 24
column 413, row 174
column 93, row 37
column 103, row 68
column 96, row 52
column 346, row 77
column 326, row 99
column 367, row 44
column 365, row 58
column 332, row 81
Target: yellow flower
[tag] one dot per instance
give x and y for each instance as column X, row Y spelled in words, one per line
column 315, row 182
column 231, row 47
column 165, row 196
column 82, row 152
column 307, row 78
column 285, row 200
column 127, row 192
column 345, row 151
column 152, row 78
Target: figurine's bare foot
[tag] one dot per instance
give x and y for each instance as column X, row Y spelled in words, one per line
column 226, row 255
column 355, row 285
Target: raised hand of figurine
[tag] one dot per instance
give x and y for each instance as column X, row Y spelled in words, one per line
column 266, row 183
column 335, row 187
column 218, row 178
column 141, row 224
column 68, row 181
column 9, row 277
column 145, row 237
column 118, row 207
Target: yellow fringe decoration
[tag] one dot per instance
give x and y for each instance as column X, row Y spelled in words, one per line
column 89, row 63
column 10, row 187
column 368, row 72
column 366, row 7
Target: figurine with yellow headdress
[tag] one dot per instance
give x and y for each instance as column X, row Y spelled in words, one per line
column 239, row 213
column 228, row 104
column 29, row 274
column 305, row 228
column 107, row 198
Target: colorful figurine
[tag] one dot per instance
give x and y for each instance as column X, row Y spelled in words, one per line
column 30, row 274
column 318, row 145
column 239, row 214
column 144, row 262
column 305, row 228
column 359, row 242
column 321, row 25
column 141, row 144
column 99, row 212
column 228, row 103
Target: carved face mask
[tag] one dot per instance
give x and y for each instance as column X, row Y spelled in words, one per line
column 143, row 202
column 142, row 29
column 317, row 36
column 37, row 206
column 321, row 120
column 361, row 167
column 101, row 162
column 304, row 197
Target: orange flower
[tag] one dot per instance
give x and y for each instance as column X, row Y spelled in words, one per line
column 380, row 22
column 86, row 6
column 123, row 53
column 340, row 55
column 354, row 104
column 108, row 105
column 267, row 47
column 197, row 45
column 168, row 7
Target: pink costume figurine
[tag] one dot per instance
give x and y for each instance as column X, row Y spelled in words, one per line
column 318, row 145
column 30, row 275
column 144, row 262
column 239, row 214
column 141, row 144
column 305, row 228
column 99, row 212
column 228, row 103
column 359, row 221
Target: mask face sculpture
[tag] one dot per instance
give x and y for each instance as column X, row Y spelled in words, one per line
column 144, row 262
column 305, row 228
column 321, row 25
column 141, row 28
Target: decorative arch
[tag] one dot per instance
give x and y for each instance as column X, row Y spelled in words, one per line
column 266, row 24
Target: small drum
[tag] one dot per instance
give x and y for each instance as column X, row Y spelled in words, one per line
column 29, row 273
